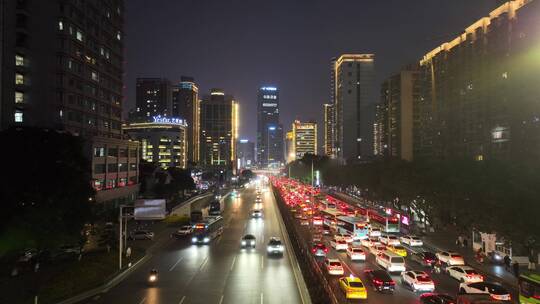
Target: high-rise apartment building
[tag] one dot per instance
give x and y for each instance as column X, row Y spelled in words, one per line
column 289, row 147
column 245, row 156
column 393, row 127
column 153, row 98
column 354, row 106
column 304, row 138
column 219, row 130
column 185, row 104
column 62, row 68
column 329, row 130
column 269, row 131
column 480, row 91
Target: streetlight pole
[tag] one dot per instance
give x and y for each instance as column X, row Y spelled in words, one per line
column 122, row 239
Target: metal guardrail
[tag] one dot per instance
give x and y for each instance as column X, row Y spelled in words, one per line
column 312, row 269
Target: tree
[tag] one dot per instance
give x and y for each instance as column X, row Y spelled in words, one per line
column 46, row 191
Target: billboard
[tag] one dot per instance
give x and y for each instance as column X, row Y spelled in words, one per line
column 149, row 209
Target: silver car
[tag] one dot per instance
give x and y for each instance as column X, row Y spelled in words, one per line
column 142, row 235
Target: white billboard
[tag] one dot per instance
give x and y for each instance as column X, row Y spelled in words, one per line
column 149, row 209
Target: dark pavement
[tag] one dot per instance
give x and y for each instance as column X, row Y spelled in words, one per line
column 217, row 273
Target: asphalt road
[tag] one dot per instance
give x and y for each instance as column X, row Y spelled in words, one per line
column 220, row 272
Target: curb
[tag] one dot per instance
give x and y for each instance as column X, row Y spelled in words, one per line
column 299, row 278
column 105, row 287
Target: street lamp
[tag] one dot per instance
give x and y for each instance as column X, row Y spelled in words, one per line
column 120, row 243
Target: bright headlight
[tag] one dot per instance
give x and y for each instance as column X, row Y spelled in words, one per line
column 243, row 242
column 206, row 240
column 194, row 239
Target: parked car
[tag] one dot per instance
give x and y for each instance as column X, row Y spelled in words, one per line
column 142, row 235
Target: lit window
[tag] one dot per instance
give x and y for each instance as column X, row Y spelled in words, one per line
column 118, row 35
column 60, row 25
column 19, row 60
column 79, row 35
column 505, row 75
column 18, row 116
column 95, row 76
column 70, row 64
column 19, row 78
column 19, row 97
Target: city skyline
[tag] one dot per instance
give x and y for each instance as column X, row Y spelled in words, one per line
column 299, row 70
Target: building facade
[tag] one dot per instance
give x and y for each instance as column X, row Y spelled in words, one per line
column 162, row 141
column 246, row 154
column 289, row 147
column 62, row 68
column 186, row 105
column 354, row 106
column 269, row 130
column 304, row 138
column 393, row 127
column 153, row 97
column 328, row 148
column 219, row 130
column 479, row 96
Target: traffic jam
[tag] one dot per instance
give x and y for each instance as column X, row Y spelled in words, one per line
column 365, row 252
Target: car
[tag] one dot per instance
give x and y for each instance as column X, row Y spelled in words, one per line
column 200, row 238
column 256, row 214
column 374, row 232
column 371, row 241
column 317, row 236
column 380, row 280
column 353, row 288
column 465, row 274
column 183, row 231
column 274, row 246
column 450, row 258
column 425, row 258
column 417, row 281
column 304, row 222
column 496, row 291
column 319, row 249
column 356, row 253
column 141, row 235
column 317, row 220
column 333, row 267
column 346, row 237
column 339, row 244
column 377, row 249
column 397, row 249
column 248, row 241
column 71, row 249
column 411, row 240
column 258, row 199
column 389, row 240
column 390, row 261
column 437, row 298
column 27, row 255
column 326, row 229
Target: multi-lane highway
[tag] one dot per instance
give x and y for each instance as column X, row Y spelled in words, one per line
column 220, row 272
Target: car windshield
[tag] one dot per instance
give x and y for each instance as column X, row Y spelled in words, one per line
column 335, row 264
column 381, row 275
column 357, row 250
column 423, row 279
column 399, row 247
column 398, row 260
column 470, row 271
column 392, row 237
column 249, row 237
column 356, row 284
column 415, row 238
column 274, row 243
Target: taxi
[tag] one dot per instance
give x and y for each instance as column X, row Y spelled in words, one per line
column 397, row 249
column 353, row 287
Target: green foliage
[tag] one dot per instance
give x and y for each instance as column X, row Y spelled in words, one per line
column 46, row 189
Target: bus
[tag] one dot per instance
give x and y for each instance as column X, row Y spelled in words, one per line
column 388, row 224
column 207, row 230
column 357, row 227
column 529, row 288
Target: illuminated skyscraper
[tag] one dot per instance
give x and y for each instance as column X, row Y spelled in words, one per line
column 354, row 105
column 304, row 138
column 329, row 130
column 186, row 105
column 269, row 130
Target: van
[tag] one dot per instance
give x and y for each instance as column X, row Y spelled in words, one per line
column 391, row 261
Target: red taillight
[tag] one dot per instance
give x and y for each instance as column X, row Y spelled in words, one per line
column 392, row 283
column 313, row 250
column 325, row 249
column 377, row 282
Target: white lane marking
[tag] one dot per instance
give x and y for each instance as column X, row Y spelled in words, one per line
column 262, row 262
column 232, row 265
column 347, row 266
column 262, row 298
column 179, row 260
column 221, row 299
column 182, row 300
column 142, row 301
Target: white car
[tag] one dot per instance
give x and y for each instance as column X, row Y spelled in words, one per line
column 418, row 281
column 339, row 244
column 356, row 254
column 375, row 232
column 411, row 240
column 370, row 242
column 377, row 249
column 389, row 240
column 450, row 258
column 464, row 274
column 496, row 291
column 183, row 231
column 334, row 267
column 346, row 237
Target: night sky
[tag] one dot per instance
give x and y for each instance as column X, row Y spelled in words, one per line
column 242, row 45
